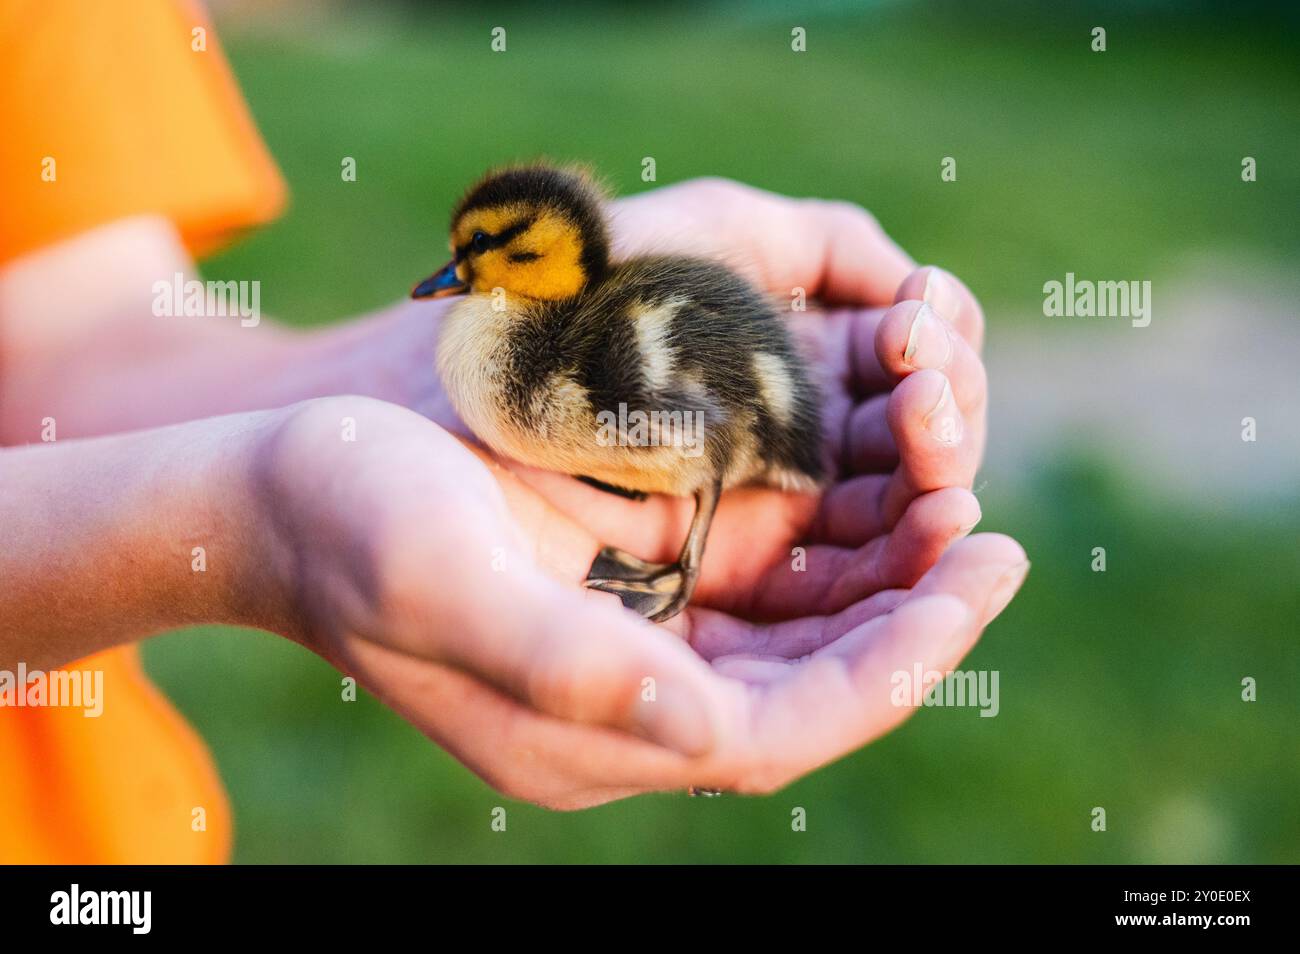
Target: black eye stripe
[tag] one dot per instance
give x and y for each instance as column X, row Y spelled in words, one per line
column 524, row 256
column 508, row 233
column 496, row 241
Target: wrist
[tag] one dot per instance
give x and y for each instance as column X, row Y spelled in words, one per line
column 310, row 560
column 136, row 534
column 222, row 525
column 344, row 501
column 268, row 501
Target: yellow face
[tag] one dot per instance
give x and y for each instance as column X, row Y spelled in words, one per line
column 529, row 250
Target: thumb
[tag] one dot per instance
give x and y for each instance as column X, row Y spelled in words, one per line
column 590, row 662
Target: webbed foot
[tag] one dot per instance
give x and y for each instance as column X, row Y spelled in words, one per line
column 657, row 591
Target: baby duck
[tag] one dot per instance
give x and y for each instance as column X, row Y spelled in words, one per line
column 659, row 374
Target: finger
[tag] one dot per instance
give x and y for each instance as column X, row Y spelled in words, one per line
column 512, row 747
column 841, row 697
column 865, row 376
column 824, row 337
column 948, row 296
column 845, row 349
column 751, row 530
column 813, row 712
column 855, row 262
column 585, row 661
column 935, row 630
column 930, row 430
column 849, row 513
column 912, row 337
column 868, row 440
column 984, row 571
column 829, row 579
column 556, row 542
column 846, row 694
column 835, row 251
column 901, row 557
column 653, row 529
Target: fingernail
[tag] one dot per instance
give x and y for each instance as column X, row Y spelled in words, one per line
column 944, row 422
column 941, row 294
column 1005, row 588
column 677, row 720
column 928, row 344
column 966, row 528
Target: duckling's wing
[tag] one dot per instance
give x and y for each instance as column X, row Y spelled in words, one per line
column 725, row 339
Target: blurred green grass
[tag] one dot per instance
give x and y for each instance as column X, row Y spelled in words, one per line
column 1112, row 163
column 1119, row 689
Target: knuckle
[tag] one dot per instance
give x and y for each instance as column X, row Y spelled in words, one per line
column 585, row 683
column 763, row 780
column 552, row 687
column 718, row 189
column 758, row 774
column 517, row 788
column 849, row 216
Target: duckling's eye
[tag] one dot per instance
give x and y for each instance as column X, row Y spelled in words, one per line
column 479, row 242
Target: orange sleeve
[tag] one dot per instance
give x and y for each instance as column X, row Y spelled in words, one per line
column 109, row 110
column 112, row 110
column 131, row 785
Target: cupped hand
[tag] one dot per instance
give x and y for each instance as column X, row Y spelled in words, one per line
column 807, row 605
column 453, row 592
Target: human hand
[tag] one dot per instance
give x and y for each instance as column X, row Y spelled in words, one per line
column 452, row 591
column 390, row 535
column 901, row 486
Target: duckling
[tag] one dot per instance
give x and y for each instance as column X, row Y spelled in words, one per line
column 658, row 374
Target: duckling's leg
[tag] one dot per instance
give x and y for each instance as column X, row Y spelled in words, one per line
column 658, row 591
column 637, row 495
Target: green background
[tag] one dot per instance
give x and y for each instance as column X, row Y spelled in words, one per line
column 1119, row 689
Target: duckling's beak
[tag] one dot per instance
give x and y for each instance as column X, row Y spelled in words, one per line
column 441, row 283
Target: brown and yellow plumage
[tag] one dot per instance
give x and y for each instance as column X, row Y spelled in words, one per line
column 556, row 352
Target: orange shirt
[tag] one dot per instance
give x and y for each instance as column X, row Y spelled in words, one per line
column 111, row 110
